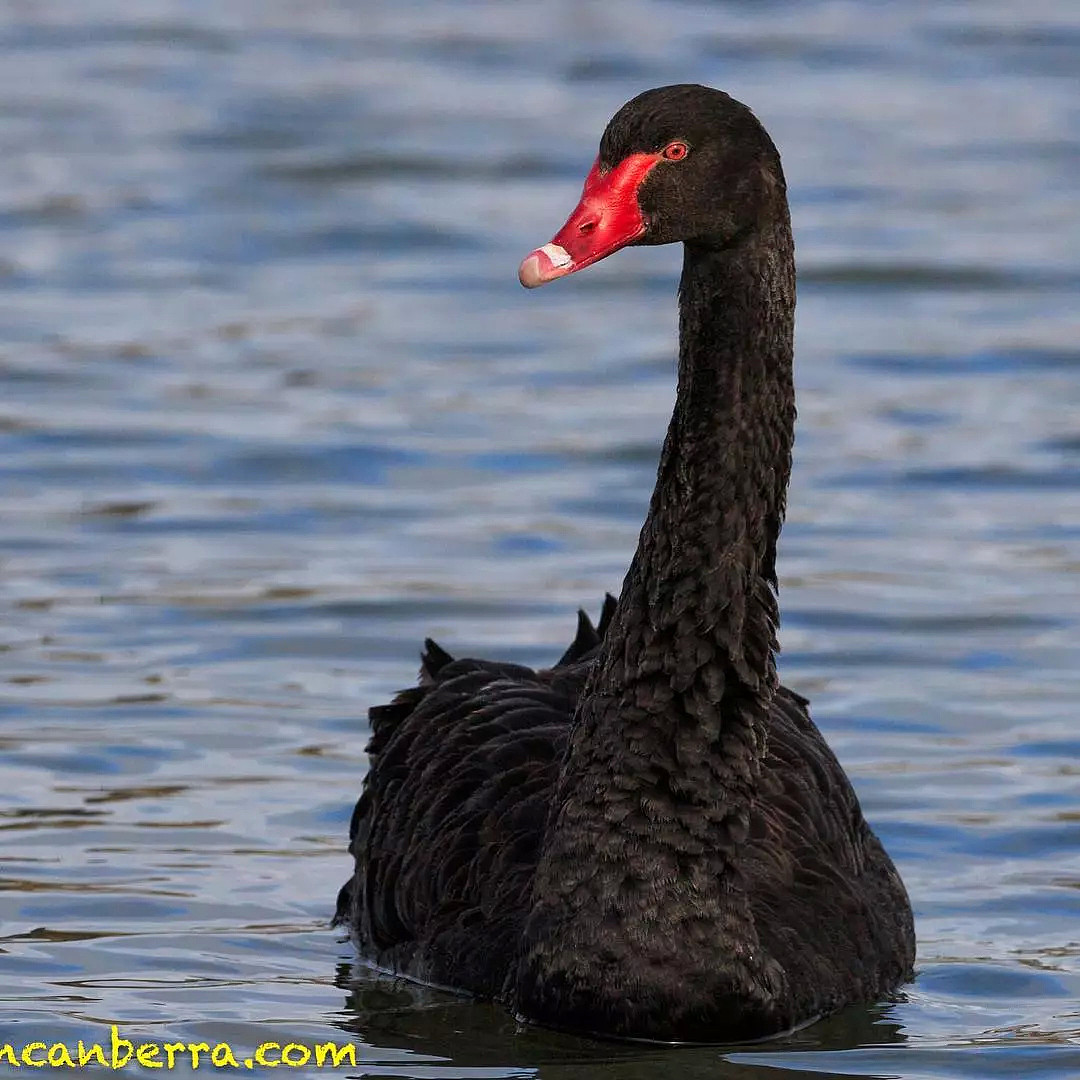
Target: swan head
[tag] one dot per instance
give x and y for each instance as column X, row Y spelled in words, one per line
column 678, row 163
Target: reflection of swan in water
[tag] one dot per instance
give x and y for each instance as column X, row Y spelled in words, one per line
column 395, row 1022
column 650, row 839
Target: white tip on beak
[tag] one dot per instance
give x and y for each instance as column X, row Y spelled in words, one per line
column 542, row 265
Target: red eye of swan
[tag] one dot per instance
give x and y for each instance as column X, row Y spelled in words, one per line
column 676, row 151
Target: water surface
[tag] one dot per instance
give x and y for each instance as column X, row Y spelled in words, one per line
column 274, row 408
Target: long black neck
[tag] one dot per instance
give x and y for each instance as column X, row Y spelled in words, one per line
column 691, row 650
column 698, row 603
column 655, row 794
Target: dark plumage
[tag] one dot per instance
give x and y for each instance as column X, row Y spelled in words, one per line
column 650, row 839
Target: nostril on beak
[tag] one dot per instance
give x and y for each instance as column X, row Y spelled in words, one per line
column 587, row 227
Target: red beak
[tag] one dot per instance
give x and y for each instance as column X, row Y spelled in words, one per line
column 607, row 218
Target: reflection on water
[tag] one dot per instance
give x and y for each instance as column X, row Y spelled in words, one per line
column 274, row 407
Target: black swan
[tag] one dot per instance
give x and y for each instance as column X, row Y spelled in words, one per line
column 650, row 839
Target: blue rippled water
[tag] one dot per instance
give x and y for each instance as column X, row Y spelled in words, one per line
column 274, row 407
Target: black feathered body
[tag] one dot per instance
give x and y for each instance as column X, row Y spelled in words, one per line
column 447, row 834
